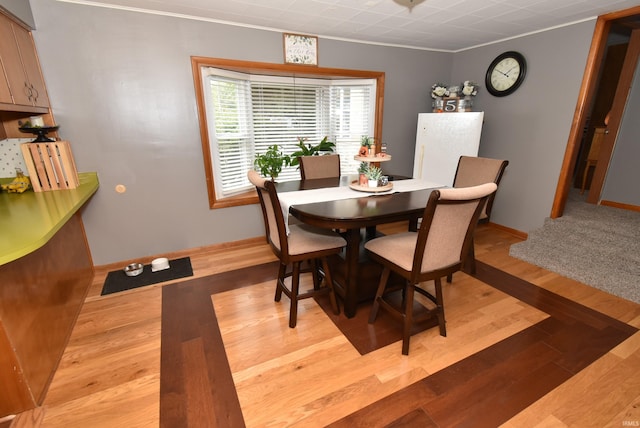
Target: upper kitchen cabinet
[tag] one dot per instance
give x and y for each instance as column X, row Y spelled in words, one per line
column 21, row 70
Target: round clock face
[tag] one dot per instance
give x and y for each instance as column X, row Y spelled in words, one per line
column 505, row 74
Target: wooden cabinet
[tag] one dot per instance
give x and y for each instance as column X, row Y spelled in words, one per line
column 22, row 76
column 5, row 92
column 45, row 273
column 40, row 298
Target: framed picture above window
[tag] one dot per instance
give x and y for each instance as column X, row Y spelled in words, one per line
column 300, row 49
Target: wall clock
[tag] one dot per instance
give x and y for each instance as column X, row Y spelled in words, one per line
column 505, row 73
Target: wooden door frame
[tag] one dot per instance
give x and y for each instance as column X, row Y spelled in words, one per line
column 617, row 111
column 581, row 113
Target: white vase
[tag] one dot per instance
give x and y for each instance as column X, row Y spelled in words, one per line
column 373, row 183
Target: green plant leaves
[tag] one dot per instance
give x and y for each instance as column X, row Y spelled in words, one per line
column 271, row 162
column 309, row 150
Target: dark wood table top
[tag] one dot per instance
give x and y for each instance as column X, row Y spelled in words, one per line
column 353, row 281
column 355, row 213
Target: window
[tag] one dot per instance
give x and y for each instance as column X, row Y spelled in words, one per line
column 246, row 107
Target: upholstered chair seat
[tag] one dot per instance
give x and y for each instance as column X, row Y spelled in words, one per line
column 305, row 239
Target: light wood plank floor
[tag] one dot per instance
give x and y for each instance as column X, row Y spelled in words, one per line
column 109, row 375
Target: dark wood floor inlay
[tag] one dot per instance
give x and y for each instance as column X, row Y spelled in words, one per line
column 196, row 386
column 385, row 331
column 485, row 389
column 493, row 385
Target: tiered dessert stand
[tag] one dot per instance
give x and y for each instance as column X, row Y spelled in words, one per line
column 382, row 157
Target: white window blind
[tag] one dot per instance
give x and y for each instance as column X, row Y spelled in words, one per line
column 248, row 113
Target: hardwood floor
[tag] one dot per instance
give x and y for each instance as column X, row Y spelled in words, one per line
column 525, row 347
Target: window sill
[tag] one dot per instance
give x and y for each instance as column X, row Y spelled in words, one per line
column 247, row 198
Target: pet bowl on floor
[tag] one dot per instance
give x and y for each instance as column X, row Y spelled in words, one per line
column 134, row 269
column 159, row 264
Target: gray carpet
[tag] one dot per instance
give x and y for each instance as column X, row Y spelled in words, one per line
column 596, row 245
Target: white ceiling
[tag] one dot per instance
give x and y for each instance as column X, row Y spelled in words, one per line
column 447, row 25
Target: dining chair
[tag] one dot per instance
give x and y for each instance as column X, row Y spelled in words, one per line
column 324, row 166
column 472, row 171
column 436, row 250
column 303, row 243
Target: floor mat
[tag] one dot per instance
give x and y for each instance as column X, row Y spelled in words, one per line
column 117, row 280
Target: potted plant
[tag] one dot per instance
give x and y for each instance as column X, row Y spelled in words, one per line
column 366, row 143
column 373, row 175
column 362, row 171
column 271, row 162
column 308, row 150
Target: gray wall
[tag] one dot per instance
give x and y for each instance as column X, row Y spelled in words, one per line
column 21, row 9
column 623, row 176
column 122, row 92
column 530, row 127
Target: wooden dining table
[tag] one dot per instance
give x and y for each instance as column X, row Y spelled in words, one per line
column 355, row 277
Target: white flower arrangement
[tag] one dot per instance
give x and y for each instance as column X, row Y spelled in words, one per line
column 439, row 90
column 469, row 88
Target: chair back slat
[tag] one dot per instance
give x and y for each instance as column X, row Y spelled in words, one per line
column 325, row 166
column 275, row 228
column 473, row 171
column 447, row 227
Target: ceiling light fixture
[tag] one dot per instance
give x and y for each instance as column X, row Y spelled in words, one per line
column 408, row 3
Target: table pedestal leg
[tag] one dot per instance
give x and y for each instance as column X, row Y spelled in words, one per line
column 351, row 273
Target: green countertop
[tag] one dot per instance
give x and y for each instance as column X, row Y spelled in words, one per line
column 28, row 220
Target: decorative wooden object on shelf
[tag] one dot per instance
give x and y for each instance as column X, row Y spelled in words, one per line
column 51, row 165
column 452, row 105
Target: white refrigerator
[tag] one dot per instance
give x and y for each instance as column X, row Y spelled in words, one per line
column 440, row 141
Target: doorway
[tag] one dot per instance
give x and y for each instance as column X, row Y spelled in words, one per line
column 606, row 25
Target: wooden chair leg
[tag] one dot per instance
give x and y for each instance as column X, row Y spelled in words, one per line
column 381, row 286
column 295, row 286
column 408, row 318
column 440, row 305
column 315, row 274
column 471, row 259
column 282, row 271
column 329, row 283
